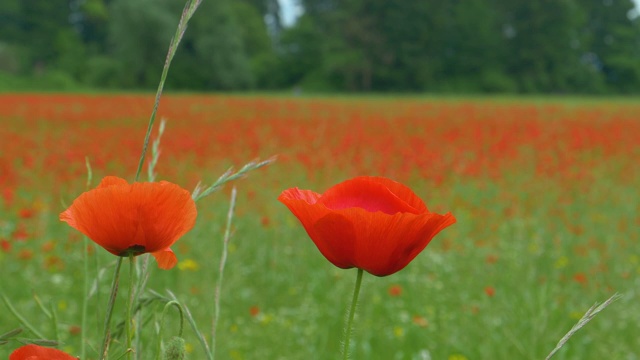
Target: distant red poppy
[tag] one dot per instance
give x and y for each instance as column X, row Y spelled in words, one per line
column 7, row 195
column 490, row 291
column 580, row 278
column 395, row 290
column 75, row 330
column 20, row 233
column 371, row 223
column 25, row 254
column 36, row 352
column 26, row 213
column 143, row 217
column 5, row 245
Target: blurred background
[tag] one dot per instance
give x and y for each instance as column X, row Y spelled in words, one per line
column 471, row 46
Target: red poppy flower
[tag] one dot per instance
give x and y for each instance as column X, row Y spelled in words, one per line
column 395, row 290
column 371, row 223
column 26, row 213
column 136, row 218
column 35, row 352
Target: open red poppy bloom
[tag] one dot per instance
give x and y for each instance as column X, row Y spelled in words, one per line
column 36, row 352
column 371, row 223
column 123, row 218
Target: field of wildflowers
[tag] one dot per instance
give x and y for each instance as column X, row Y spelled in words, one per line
column 545, row 194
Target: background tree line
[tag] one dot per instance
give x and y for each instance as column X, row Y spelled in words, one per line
column 513, row 46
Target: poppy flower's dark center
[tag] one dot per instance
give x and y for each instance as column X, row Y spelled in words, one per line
column 135, row 250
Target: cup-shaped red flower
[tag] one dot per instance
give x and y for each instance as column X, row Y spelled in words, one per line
column 371, row 223
column 36, row 352
column 143, row 217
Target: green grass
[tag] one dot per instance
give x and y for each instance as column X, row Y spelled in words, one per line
column 443, row 310
column 528, row 256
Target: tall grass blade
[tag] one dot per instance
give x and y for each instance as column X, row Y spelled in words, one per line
column 223, row 261
column 188, row 11
column 155, row 152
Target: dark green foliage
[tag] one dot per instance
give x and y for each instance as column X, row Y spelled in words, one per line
column 472, row 46
column 476, row 46
column 140, row 32
column 213, row 54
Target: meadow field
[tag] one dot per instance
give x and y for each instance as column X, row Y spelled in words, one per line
column 545, row 193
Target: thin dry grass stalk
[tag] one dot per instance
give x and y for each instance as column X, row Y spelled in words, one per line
column 590, row 314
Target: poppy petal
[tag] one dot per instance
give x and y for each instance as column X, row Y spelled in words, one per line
column 302, row 204
column 391, row 243
column 107, row 215
column 166, row 258
column 334, row 236
column 366, row 194
column 401, row 191
column 296, row 194
column 36, row 352
column 111, row 180
column 166, row 212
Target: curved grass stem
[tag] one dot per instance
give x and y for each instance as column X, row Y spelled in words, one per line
column 161, row 331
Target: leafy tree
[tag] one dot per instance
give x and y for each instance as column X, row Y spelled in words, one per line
column 257, row 43
column 10, row 20
column 213, row 55
column 471, row 47
column 269, row 10
column 93, row 19
column 36, row 25
column 301, row 56
column 10, row 33
column 614, row 39
column 347, row 45
column 544, row 43
column 139, row 33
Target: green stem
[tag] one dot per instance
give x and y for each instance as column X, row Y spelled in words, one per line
column 85, row 280
column 112, row 300
column 85, row 300
column 351, row 315
column 54, row 321
column 127, row 323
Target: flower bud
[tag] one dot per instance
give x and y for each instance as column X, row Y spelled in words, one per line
column 176, row 349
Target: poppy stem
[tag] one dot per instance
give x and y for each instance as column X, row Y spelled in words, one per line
column 85, row 280
column 112, row 300
column 351, row 315
column 128, row 324
column 85, row 302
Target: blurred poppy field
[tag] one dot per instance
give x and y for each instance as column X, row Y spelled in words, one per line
column 545, row 193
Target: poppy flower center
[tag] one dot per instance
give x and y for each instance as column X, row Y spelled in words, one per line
column 135, row 250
